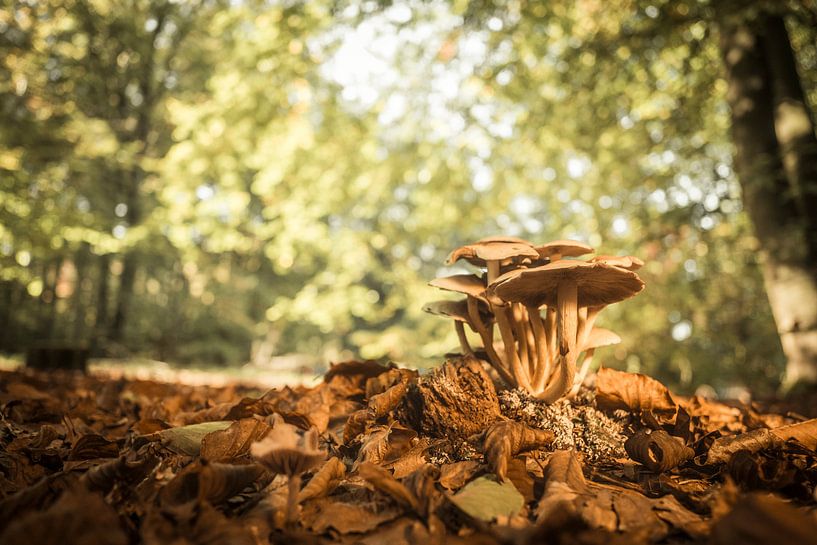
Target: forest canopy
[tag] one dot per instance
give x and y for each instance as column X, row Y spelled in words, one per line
column 184, row 179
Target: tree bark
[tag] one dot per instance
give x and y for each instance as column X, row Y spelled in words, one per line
column 101, row 322
column 771, row 130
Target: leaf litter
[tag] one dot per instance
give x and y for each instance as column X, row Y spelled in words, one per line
column 376, row 453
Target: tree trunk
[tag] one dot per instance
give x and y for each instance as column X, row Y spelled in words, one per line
column 79, row 300
column 101, row 322
column 772, row 146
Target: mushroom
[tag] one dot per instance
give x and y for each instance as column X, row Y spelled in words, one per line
column 631, row 263
column 597, row 338
column 283, row 450
column 473, row 287
column 491, row 253
column 557, row 249
column 566, row 285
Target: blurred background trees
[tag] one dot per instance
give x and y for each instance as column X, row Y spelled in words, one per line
column 188, row 180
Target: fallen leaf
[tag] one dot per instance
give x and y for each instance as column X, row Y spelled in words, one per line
column 187, row 439
column 382, row 404
column 78, row 516
column 324, row 481
column 382, row 480
column 323, row 514
column 486, row 498
column 454, row 476
column 93, row 446
column 761, row 519
column 657, row 450
column 804, row 433
column 506, row 439
column 632, row 391
column 753, row 441
column 233, row 442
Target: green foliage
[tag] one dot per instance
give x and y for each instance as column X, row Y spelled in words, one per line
column 184, row 178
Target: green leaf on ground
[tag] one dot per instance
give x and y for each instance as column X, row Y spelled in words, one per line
column 187, row 439
column 486, row 499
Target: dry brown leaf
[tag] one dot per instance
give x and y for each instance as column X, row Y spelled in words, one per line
column 564, row 482
column 454, row 476
column 211, row 482
column 609, row 508
column 384, row 443
column 324, row 481
column 355, row 425
column 382, row 480
column 121, row 470
column 234, row 442
column 756, row 471
column 93, row 446
column 323, row 514
column 381, row 383
column 194, row 523
column 521, row 479
column 761, row 519
column 382, row 404
column 804, row 433
column 409, row 460
column 714, row 415
column 753, row 441
column 366, row 368
column 506, row 439
column 658, row 450
column 404, row 531
column 78, row 516
column 632, row 391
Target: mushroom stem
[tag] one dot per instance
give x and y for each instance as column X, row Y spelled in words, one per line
column 533, row 346
column 506, row 331
column 521, row 335
column 466, row 347
column 567, row 303
column 550, row 332
column 589, row 322
column 293, row 487
column 588, row 358
column 486, row 335
column 562, row 381
column 540, row 342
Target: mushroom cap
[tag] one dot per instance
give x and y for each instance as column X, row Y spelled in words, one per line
column 599, row 337
column 458, row 310
column 567, row 248
column 504, row 238
column 284, row 451
column 598, row 283
column 629, row 262
column 502, row 249
column 469, row 284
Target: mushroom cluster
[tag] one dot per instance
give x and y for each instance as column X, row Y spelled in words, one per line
column 544, row 305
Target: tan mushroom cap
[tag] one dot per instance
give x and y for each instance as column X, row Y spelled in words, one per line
column 599, row 337
column 504, row 238
column 469, row 284
column 597, row 283
column 564, row 248
column 502, row 249
column 284, row 451
column 629, row 262
column 458, row 310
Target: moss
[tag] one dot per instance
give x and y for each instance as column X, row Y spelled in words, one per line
column 577, row 424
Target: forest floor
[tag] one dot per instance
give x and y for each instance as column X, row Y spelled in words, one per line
column 132, row 368
column 379, row 454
